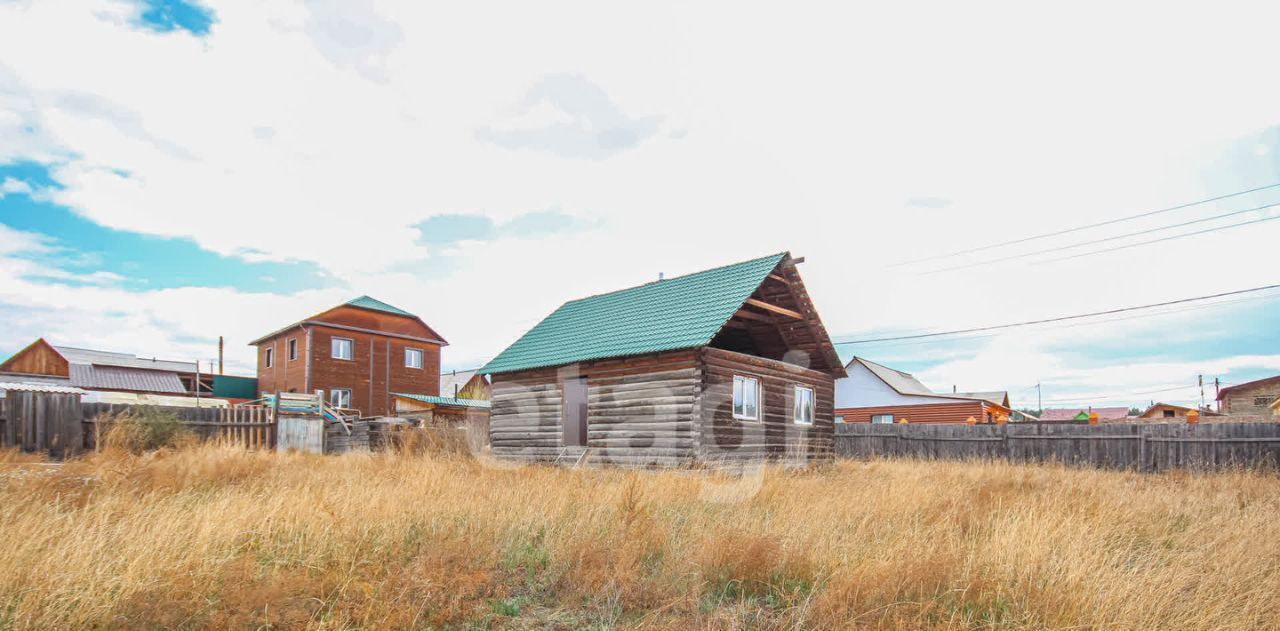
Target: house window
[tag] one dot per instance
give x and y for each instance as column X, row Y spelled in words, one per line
column 268, row 357
column 839, row 419
column 340, row 398
column 1263, row 401
column 293, row 349
column 803, row 412
column 413, row 358
column 882, row 419
column 1168, row 414
column 342, row 348
column 746, row 398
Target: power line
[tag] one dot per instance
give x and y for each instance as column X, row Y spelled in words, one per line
column 1107, row 239
column 1089, row 226
column 1176, row 236
column 1119, row 396
column 1063, row 318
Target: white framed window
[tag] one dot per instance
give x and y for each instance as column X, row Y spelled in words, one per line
column 342, row 347
column 803, row 409
column 746, row 398
column 839, row 419
column 268, row 357
column 882, row 419
column 413, row 358
column 293, row 349
column 340, row 398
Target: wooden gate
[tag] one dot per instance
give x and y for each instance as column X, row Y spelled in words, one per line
column 300, row 433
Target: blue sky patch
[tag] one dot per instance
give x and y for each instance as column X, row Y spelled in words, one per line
column 83, row 247
column 453, row 228
column 170, row 15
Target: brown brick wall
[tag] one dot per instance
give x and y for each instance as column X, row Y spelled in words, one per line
column 375, row 370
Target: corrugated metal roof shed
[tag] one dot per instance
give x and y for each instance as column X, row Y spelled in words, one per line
column 682, row 312
column 125, row 360
column 121, row 378
column 38, row 387
column 423, row 398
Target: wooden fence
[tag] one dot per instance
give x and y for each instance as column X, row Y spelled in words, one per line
column 249, row 426
column 1140, row 446
column 41, row 421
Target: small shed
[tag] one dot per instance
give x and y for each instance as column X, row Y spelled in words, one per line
column 1170, row 411
column 727, row 366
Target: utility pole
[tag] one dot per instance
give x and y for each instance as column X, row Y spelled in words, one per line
column 1039, row 399
column 1201, row 380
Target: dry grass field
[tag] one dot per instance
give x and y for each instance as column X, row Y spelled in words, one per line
column 214, row 537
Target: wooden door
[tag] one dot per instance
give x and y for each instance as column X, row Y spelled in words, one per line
column 574, row 414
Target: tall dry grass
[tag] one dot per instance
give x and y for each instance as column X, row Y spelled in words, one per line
column 210, row 536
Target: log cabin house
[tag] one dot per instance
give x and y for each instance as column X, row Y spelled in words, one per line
column 360, row 353
column 729, row 366
column 1253, row 398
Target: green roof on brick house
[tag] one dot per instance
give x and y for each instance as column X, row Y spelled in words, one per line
column 677, row 313
column 365, row 302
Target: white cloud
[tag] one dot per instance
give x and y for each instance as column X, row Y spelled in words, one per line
column 324, row 131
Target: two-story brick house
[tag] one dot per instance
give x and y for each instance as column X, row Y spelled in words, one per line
column 358, row 353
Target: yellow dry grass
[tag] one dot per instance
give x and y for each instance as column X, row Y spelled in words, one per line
column 214, row 537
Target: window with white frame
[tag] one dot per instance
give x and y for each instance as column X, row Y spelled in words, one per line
column 268, row 357
column 340, row 398
column 413, row 358
column 885, row 419
column 803, row 409
column 293, row 349
column 746, row 398
column 342, row 347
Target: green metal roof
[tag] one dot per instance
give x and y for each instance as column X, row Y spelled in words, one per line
column 425, row 398
column 365, row 302
column 682, row 312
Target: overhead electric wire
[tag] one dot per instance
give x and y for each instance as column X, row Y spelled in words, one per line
column 1089, row 226
column 1161, row 240
column 1107, row 239
column 1063, row 318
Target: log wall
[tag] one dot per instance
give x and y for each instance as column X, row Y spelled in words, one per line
column 776, row 437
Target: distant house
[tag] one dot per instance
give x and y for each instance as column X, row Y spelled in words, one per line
column 359, row 353
column 1082, row 414
column 873, row 393
column 729, row 365
column 1171, row 411
column 1251, row 398
column 464, row 384
column 107, row 371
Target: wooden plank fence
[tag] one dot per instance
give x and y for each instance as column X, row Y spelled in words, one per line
column 41, row 421
column 250, row 426
column 1139, row 446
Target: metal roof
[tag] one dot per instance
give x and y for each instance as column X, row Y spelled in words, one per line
column 901, row 382
column 998, row 397
column 365, row 302
column 682, row 312
column 452, row 383
column 424, row 398
column 38, row 387
column 124, row 378
column 107, row 358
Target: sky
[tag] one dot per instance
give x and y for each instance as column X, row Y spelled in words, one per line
column 173, row 171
